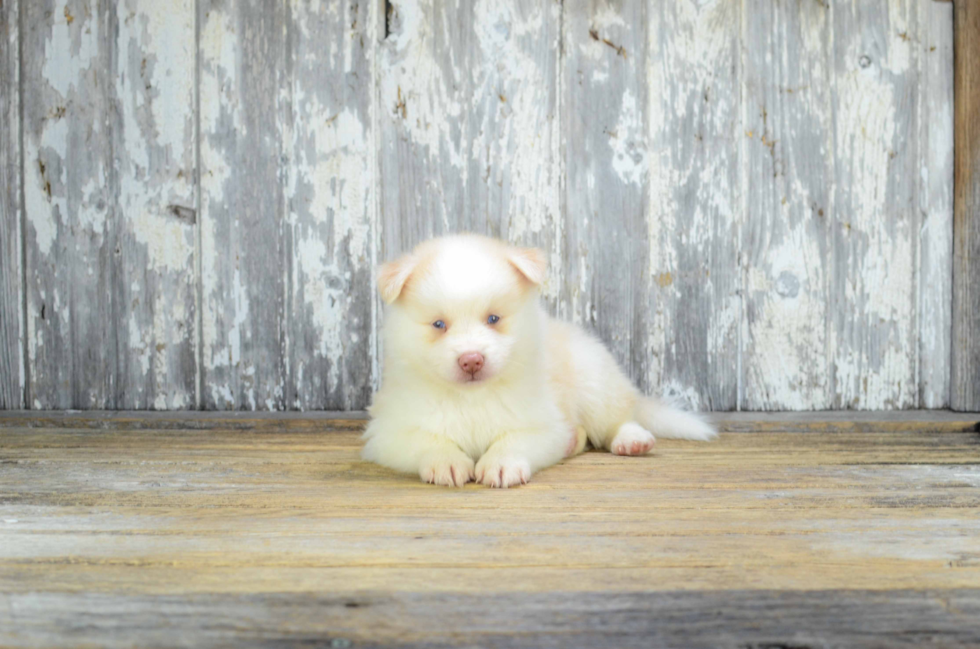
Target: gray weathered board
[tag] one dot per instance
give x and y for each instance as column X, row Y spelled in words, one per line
column 751, row 202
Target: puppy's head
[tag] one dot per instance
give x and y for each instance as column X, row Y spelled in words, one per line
column 463, row 308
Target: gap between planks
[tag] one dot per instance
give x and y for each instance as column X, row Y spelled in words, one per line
column 936, row 421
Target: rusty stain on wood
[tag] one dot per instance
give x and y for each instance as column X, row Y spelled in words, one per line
column 619, row 48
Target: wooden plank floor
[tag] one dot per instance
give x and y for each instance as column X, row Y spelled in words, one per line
column 122, row 530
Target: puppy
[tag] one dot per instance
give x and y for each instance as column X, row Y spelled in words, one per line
column 481, row 384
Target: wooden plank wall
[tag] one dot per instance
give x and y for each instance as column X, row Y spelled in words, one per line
column 966, row 256
column 12, row 367
column 750, row 202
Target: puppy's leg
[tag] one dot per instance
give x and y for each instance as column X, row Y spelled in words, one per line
column 436, row 459
column 635, row 435
column 577, row 440
column 625, row 423
column 614, row 414
column 513, row 457
column 446, row 465
column 632, row 439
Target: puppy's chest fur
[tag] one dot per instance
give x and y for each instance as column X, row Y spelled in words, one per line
column 474, row 418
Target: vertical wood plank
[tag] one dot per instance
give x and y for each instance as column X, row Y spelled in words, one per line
column 604, row 126
column 876, row 212
column 12, row 370
column 108, row 166
column 935, row 159
column 787, row 179
column 469, row 124
column 154, row 279
column 242, row 205
column 965, row 375
column 331, row 198
column 68, row 192
column 695, row 201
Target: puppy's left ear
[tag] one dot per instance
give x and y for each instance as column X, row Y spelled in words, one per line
column 393, row 275
column 530, row 262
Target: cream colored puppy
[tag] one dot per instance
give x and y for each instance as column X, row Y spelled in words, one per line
column 481, row 384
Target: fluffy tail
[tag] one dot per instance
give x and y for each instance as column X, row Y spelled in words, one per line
column 664, row 420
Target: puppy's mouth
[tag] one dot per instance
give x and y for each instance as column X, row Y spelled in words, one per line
column 472, row 379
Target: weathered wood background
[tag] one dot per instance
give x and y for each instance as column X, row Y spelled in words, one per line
column 750, row 201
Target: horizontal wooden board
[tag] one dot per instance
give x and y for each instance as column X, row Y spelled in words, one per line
column 744, row 619
column 266, row 535
column 269, row 531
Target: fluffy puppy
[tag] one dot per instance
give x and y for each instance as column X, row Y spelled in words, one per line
column 481, row 384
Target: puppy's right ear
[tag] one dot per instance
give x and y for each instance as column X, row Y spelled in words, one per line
column 529, row 262
column 393, row 275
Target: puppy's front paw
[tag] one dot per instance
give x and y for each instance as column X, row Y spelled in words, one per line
column 632, row 439
column 447, row 470
column 502, row 472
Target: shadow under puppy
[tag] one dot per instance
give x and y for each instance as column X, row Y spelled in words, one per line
column 481, row 384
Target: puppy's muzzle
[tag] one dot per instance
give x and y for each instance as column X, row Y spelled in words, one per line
column 471, row 362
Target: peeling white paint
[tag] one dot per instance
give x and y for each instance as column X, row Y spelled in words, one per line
column 875, row 368
column 935, row 204
column 71, row 48
column 218, row 92
column 418, row 94
column 137, row 346
column 520, row 89
column 40, row 209
column 324, row 302
column 332, row 202
column 484, row 115
column 629, row 143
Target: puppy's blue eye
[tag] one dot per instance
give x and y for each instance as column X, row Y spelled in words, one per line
column 439, row 324
column 493, row 319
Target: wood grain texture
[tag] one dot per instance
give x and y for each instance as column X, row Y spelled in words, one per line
column 935, row 245
column 288, row 205
column 787, row 176
column 243, row 205
column 109, row 200
column 965, row 369
column 12, row 368
column 469, row 125
column 876, row 216
column 744, row 618
column 251, row 536
column 154, row 282
column 695, row 194
column 604, row 131
column 331, row 197
column 751, row 204
column 72, row 242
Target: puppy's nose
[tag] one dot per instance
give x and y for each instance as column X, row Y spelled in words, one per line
column 471, row 362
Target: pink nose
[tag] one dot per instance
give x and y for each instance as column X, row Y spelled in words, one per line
column 471, row 362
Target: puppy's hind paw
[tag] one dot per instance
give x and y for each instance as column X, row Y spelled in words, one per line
column 632, row 439
column 501, row 473
column 453, row 471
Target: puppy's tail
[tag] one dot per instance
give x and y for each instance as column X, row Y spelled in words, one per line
column 664, row 420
